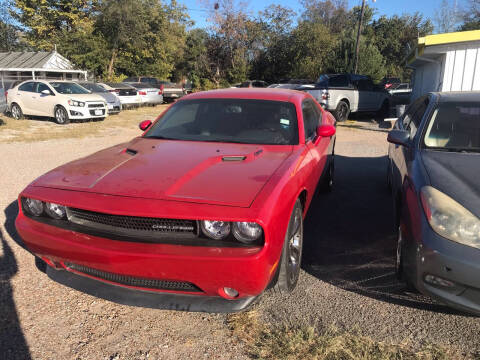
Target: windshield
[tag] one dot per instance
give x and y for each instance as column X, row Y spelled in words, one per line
column 454, row 127
column 68, row 88
column 93, row 87
column 229, row 120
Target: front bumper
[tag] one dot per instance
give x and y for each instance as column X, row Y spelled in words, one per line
column 164, row 301
column 75, row 113
column 458, row 264
column 247, row 270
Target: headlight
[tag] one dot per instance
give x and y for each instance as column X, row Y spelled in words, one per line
column 55, row 211
column 246, row 232
column 76, row 103
column 216, row 229
column 450, row 219
column 33, row 207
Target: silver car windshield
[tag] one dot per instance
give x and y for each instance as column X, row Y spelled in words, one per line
column 454, row 127
column 229, row 120
column 93, row 87
column 68, row 88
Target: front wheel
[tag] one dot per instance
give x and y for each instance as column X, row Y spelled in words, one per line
column 342, row 111
column 16, row 112
column 61, row 116
column 290, row 260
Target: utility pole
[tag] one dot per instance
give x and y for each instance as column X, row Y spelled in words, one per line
column 357, row 44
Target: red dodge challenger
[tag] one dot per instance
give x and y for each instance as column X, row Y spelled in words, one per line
column 203, row 212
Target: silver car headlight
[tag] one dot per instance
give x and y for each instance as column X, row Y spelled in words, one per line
column 450, row 219
column 247, row 232
column 55, row 211
column 76, row 103
column 216, row 230
column 32, row 206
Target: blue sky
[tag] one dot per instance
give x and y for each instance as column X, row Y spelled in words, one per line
column 387, row 7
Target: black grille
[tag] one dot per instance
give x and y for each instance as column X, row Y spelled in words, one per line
column 144, row 224
column 95, row 105
column 135, row 281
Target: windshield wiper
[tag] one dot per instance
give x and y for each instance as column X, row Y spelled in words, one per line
column 461, row 150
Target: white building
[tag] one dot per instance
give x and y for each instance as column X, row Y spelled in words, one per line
column 446, row 62
column 16, row 66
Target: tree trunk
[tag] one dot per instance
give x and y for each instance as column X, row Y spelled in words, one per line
column 112, row 62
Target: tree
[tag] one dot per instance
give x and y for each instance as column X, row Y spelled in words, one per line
column 445, row 19
column 45, row 20
column 471, row 17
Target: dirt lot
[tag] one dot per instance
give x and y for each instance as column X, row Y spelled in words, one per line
column 347, row 280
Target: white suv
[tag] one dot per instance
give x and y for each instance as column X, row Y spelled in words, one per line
column 61, row 100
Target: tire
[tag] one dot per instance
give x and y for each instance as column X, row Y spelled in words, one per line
column 400, row 261
column 383, row 112
column 389, row 176
column 40, row 264
column 328, row 178
column 342, row 111
column 290, row 260
column 61, row 116
column 16, row 112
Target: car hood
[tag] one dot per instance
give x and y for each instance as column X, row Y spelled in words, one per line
column 109, row 97
column 85, row 97
column 455, row 174
column 202, row 172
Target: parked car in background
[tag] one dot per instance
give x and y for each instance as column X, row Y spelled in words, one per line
column 171, row 91
column 254, row 84
column 390, row 82
column 343, row 94
column 113, row 102
column 293, row 84
column 209, row 201
column 3, row 100
column 433, row 171
column 149, row 94
column 60, row 100
column 127, row 94
column 400, row 94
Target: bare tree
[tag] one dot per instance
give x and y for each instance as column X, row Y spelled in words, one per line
column 447, row 16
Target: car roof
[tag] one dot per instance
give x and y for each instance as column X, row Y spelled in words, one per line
column 273, row 94
column 457, row 96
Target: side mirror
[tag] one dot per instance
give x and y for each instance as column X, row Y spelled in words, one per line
column 46, row 92
column 144, row 125
column 399, row 137
column 326, row 130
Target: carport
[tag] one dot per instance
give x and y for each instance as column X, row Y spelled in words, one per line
column 19, row 66
column 446, row 62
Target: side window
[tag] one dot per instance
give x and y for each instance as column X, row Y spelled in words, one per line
column 310, row 120
column 365, row 85
column 417, row 117
column 27, row 86
column 338, row 81
column 41, row 87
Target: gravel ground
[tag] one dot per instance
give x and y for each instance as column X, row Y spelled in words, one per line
column 348, row 279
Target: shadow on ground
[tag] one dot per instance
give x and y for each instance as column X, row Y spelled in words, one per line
column 12, row 341
column 349, row 240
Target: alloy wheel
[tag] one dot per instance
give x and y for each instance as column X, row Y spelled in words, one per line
column 16, row 112
column 61, row 115
column 295, row 243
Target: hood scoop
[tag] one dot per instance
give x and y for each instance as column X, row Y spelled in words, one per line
column 131, row 151
column 234, row 158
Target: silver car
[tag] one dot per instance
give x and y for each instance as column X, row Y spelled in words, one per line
column 113, row 102
column 149, row 94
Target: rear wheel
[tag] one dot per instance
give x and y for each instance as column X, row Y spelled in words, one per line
column 342, row 111
column 61, row 115
column 16, row 112
column 290, row 260
column 383, row 112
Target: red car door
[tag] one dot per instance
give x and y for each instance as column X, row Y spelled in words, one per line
column 318, row 146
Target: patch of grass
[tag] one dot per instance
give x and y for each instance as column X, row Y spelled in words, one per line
column 37, row 129
column 306, row 342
